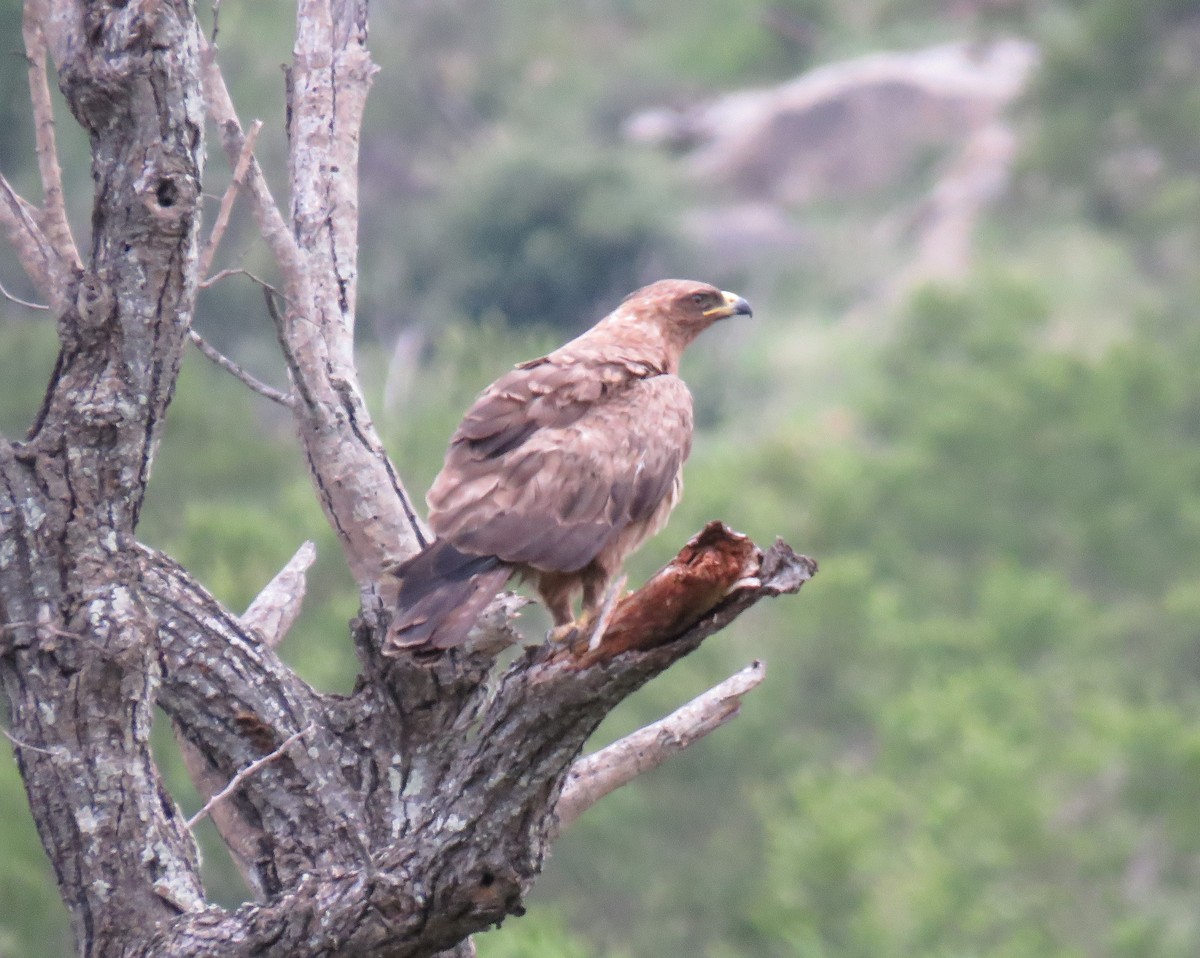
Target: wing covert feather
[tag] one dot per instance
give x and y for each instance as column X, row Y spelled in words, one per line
column 553, row 461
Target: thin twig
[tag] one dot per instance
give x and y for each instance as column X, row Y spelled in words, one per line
column 222, row 221
column 275, row 230
column 273, row 306
column 20, row 302
column 20, row 221
column 270, row 221
column 244, row 774
column 54, row 211
column 275, row 395
column 237, row 271
column 17, row 743
column 41, row 626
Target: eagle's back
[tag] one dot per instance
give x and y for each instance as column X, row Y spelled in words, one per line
column 558, row 458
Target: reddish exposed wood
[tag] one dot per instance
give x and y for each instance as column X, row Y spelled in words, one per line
column 678, row 595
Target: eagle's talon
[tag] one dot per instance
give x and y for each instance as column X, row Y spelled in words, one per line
column 563, row 633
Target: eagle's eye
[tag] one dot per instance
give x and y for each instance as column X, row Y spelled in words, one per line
column 699, row 298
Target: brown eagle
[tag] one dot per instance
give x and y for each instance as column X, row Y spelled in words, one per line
column 561, row 469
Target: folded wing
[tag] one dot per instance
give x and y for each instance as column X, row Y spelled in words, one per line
column 556, row 459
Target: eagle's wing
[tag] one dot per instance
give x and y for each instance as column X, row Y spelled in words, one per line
column 556, row 458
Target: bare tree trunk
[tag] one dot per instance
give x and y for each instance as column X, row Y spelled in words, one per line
column 396, row 821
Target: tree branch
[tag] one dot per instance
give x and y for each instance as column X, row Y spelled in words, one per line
column 467, row 775
column 358, row 486
column 240, row 170
column 54, row 210
column 276, row 607
column 269, row 616
column 17, row 743
column 270, row 222
column 21, row 302
column 216, row 277
column 602, row 772
column 257, row 385
column 234, row 701
column 35, row 251
column 236, row 781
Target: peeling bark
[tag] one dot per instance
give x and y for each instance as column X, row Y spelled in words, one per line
column 395, row 821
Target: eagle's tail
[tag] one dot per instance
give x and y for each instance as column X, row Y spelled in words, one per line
column 442, row 591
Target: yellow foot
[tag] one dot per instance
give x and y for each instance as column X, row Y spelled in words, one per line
column 564, row 633
column 571, row 631
column 592, row 623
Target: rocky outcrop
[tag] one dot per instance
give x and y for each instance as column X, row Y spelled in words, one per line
column 922, row 135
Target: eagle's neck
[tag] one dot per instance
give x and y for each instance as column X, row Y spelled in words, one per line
column 635, row 338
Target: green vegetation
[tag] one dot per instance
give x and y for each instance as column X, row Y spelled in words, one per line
column 980, row 732
column 534, row 234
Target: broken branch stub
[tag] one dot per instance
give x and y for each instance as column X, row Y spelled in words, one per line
column 717, row 570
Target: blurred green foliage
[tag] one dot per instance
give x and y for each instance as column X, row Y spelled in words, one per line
column 980, row 732
column 533, row 234
column 1023, row 519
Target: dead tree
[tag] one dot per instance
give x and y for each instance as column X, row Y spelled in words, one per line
column 395, row 821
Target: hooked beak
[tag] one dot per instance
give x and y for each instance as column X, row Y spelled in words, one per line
column 734, row 305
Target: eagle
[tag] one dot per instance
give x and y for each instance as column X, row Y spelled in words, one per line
column 560, row 469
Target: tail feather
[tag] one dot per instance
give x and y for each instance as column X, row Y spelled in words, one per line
column 442, row 593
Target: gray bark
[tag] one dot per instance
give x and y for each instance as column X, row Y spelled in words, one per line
column 395, row 821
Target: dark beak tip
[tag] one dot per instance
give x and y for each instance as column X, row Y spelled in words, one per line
column 742, row 308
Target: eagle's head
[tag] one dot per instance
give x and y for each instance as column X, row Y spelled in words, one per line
column 681, row 309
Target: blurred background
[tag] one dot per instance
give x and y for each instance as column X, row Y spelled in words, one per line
column 971, row 233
